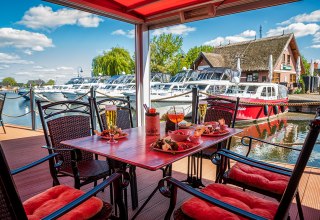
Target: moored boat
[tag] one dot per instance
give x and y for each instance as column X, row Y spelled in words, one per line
column 259, row 101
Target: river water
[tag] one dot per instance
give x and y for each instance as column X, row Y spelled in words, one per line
column 290, row 128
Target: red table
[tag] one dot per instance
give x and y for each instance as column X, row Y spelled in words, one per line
column 135, row 148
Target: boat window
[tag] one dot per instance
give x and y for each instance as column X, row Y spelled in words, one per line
column 283, row 92
column 166, row 87
column 252, row 89
column 273, row 91
column 232, row 90
column 216, row 89
column 264, row 91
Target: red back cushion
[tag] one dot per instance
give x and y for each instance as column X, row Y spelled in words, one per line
column 199, row 209
column 57, row 197
column 259, row 178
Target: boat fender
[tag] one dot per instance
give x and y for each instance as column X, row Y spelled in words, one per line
column 282, row 108
column 265, row 110
column 275, row 109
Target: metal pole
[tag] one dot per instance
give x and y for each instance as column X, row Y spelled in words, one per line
column 33, row 112
column 194, row 104
column 92, row 96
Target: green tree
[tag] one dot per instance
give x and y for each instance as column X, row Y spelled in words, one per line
column 306, row 65
column 193, row 54
column 50, row 82
column 9, row 81
column 165, row 53
column 113, row 62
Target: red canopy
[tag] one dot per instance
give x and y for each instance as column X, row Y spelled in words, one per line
column 161, row 13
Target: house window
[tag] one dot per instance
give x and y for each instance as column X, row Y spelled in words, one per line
column 288, row 59
column 264, row 78
column 293, row 78
column 252, row 77
column 276, row 78
column 283, row 58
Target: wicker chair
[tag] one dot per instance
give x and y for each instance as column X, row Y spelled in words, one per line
column 220, row 108
column 124, row 121
column 11, row 207
column 2, row 100
column 219, row 201
column 67, row 120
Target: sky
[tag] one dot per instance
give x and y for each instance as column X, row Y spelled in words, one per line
column 41, row 40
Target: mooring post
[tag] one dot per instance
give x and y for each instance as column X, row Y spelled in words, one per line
column 194, row 104
column 32, row 110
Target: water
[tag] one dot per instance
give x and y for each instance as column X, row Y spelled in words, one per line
column 291, row 128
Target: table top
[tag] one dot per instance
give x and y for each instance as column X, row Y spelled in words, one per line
column 135, row 149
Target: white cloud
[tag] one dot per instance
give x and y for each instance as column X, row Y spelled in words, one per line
column 2, row 67
column 43, row 17
column 316, row 37
column 37, row 67
column 244, row 36
column 65, row 68
column 180, row 29
column 299, row 30
column 24, row 73
column 24, row 39
column 29, row 52
column 317, row 46
column 307, row 18
column 13, row 59
column 129, row 33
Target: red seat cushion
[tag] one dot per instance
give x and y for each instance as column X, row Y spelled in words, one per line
column 57, row 197
column 259, row 178
column 199, row 209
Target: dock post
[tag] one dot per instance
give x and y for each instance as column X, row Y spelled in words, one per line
column 194, row 104
column 32, row 110
column 93, row 96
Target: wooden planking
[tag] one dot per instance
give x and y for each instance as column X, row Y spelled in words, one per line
column 24, row 150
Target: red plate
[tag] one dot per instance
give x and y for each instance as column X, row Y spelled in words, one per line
column 116, row 138
column 217, row 133
column 192, row 145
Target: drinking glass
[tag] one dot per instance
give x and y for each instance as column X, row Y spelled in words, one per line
column 202, row 110
column 111, row 121
column 176, row 115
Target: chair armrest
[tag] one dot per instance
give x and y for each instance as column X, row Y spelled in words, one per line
column 212, row 200
column 262, row 141
column 84, row 197
column 35, row 163
column 75, row 153
column 255, row 163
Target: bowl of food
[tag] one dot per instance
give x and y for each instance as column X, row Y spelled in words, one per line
column 195, row 138
column 179, row 135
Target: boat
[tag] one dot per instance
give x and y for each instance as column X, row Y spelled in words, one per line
column 258, row 101
column 24, row 92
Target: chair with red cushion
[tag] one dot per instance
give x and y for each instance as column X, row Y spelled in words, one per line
column 220, row 201
column 60, row 201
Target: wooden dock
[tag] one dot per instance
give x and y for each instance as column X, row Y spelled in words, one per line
column 304, row 98
column 22, row 146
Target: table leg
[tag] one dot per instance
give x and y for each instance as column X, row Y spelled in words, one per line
column 167, row 171
column 194, row 177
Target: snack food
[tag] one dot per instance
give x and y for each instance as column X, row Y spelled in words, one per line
column 118, row 133
column 166, row 144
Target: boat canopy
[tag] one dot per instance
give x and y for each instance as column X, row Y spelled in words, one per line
column 218, row 73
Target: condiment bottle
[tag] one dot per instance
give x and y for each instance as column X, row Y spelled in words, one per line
column 152, row 122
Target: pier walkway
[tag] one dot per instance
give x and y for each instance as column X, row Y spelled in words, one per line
column 23, row 146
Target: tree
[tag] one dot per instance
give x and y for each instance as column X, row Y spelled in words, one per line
column 50, row 82
column 306, row 65
column 9, row 81
column 113, row 62
column 193, row 54
column 37, row 82
column 165, row 51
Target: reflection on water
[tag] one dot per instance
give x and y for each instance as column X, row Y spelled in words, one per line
column 285, row 130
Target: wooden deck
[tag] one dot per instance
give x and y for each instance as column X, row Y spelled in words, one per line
column 22, row 146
